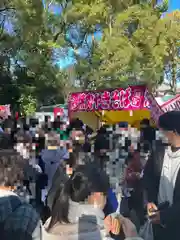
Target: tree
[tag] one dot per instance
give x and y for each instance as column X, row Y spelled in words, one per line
column 26, row 60
column 172, row 58
column 132, row 49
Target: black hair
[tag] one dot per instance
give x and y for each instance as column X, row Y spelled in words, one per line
column 102, row 130
column 101, row 141
column 76, row 124
column 145, row 121
column 85, row 180
column 72, row 160
column 25, row 127
column 169, row 121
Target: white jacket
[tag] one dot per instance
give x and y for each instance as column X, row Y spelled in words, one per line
column 86, row 222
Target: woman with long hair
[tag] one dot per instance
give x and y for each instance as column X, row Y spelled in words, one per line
column 77, row 211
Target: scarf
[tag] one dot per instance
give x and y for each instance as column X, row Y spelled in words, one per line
column 170, row 170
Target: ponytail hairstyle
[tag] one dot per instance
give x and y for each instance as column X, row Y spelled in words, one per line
column 85, row 180
column 72, row 161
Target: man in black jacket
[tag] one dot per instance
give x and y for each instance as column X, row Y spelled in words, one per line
column 162, row 180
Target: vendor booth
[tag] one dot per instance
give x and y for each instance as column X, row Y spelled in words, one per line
column 112, row 106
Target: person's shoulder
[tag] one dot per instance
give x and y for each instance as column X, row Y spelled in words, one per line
column 25, row 218
column 17, row 215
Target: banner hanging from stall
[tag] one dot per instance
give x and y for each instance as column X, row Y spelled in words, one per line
column 155, row 108
column 172, row 104
column 5, row 111
column 126, row 99
column 61, row 112
column 129, row 99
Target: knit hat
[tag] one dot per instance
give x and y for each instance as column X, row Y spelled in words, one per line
column 170, row 121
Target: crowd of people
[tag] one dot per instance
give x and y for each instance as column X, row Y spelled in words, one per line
column 60, row 180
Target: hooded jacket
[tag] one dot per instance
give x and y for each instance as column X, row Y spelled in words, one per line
column 52, row 159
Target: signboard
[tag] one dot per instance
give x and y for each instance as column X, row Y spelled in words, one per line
column 5, row 111
column 131, row 98
column 171, row 105
column 156, row 110
column 58, row 112
column 62, row 113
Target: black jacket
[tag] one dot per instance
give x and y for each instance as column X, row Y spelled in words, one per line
column 170, row 217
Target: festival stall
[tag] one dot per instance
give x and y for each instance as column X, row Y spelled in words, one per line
column 131, row 104
column 112, row 106
column 52, row 111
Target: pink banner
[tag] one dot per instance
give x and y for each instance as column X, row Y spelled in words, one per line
column 172, row 104
column 5, row 111
column 58, row 112
column 156, row 110
column 131, row 98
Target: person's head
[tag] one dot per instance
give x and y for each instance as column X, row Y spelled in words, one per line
column 11, row 168
column 169, row 124
column 102, row 144
column 23, row 144
column 63, row 126
column 145, row 123
column 102, row 130
column 52, row 141
column 25, row 127
column 86, row 184
column 77, row 136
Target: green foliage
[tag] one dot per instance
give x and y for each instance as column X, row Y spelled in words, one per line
column 26, row 63
column 138, row 44
column 28, row 105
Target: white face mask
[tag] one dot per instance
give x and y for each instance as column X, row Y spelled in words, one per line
column 161, row 136
column 22, row 150
column 25, row 153
column 20, row 147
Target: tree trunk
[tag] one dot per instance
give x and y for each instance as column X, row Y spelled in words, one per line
column 174, row 86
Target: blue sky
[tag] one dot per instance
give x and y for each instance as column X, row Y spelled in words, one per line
column 174, row 4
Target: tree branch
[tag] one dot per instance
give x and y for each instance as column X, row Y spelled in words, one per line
column 6, row 9
column 63, row 26
column 2, row 26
